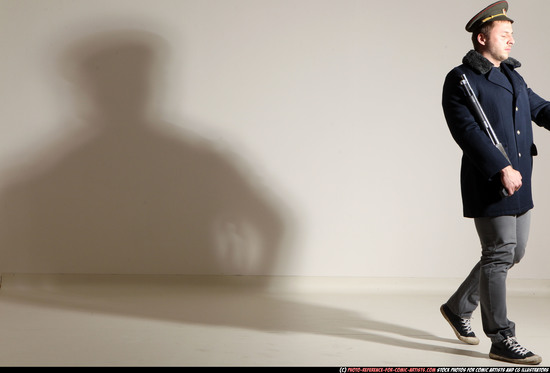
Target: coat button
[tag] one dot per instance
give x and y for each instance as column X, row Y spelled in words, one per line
column 517, row 108
column 519, row 155
column 518, row 132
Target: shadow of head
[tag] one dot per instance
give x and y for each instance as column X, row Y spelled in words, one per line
column 134, row 194
column 115, row 73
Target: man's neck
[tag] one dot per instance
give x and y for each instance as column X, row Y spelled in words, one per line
column 491, row 60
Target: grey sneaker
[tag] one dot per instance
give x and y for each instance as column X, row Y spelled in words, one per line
column 511, row 351
column 461, row 327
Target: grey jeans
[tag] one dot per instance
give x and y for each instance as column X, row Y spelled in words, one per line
column 503, row 241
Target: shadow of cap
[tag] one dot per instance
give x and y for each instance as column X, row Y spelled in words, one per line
column 113, row 54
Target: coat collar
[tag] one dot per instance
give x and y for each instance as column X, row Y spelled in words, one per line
column 482, row 65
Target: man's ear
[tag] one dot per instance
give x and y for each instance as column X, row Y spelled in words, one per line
column 481, row 39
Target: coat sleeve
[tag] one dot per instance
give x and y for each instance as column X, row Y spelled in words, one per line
column 540, row 109
column 467, row 131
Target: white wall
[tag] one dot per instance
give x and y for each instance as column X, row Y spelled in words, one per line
column 286, row 137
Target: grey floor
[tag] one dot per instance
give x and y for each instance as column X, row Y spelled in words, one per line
column 68, row 320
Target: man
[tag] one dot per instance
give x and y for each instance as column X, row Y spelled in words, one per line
column 501, row 219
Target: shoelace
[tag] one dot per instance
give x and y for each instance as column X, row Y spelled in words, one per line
column 514, row 346
column 466, row 326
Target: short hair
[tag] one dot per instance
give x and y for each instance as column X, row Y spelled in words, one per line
column 484, row 29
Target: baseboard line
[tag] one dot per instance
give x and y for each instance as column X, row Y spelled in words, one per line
column 309, row 284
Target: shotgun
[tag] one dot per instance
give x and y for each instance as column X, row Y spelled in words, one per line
column 484, row 121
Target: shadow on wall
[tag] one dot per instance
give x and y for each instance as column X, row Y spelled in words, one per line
column 128, row 193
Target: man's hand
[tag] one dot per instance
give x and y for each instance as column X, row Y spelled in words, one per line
column 511, row 179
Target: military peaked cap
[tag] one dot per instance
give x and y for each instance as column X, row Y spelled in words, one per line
column 494, row 12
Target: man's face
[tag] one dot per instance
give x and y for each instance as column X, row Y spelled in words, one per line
column 497, row 45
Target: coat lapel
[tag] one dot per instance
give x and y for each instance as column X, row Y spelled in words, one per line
column 498, row 78
column 516, row 83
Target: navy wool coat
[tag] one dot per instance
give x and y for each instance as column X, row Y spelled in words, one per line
column 511, row 107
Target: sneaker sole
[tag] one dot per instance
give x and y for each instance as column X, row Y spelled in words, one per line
column 468, row 340
column 532, row 360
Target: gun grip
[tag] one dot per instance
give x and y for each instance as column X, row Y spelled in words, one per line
column 504, row 193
